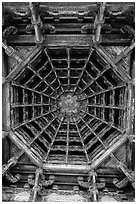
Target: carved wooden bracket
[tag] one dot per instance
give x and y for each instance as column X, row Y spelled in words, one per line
column 5, row 167
column 47, row 27
column 43, row 182
column 39, row 183
column 82, row 183
column 12, row 178
column 128, row 29
column 130, row 178
column 9, row 30
column 91, row 185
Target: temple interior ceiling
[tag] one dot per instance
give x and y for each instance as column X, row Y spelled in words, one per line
column 68, row 101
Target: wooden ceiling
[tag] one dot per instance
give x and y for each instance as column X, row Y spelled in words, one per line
column 68, row 73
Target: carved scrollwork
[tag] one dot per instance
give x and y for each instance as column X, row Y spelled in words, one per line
column 11, row 161
column 82, row 183
column 48, row 182
column 125, row 181
column 29, row 28
column 120, row 184
column 31, row 180
column 43, row 182
column 9, row 30
column 128, row 29
column 12, row 178
column 86, row 27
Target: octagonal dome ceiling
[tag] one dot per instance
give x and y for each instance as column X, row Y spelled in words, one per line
column 68, row 105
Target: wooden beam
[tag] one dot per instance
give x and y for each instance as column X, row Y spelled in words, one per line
column 121, row 72
column 124, row 53
column 99, row 21
column 53, row 139
column 71, row 40
column 36, row 22
column 36, row 184
column 83, row 69
column 24, row 147
column 6, row 106
column 129, row 109
column 108, row 152
column 84, row 148
column 12, row 161
column 23, row 63
column 11, row 52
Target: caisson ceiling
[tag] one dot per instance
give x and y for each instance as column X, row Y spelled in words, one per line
column 68, row 81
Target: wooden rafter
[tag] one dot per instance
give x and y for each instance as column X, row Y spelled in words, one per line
column 47, row 125
column 95, row 79
column 108, row 123
column 104, row 91
column 45, row 159
column 87, row 157
column 53, row 69
column 30, row 89
column 67, row 141
column 68, row 53
column 83, row 69
column 26, row 122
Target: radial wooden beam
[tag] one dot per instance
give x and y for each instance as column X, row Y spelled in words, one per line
column 110, row 124
column 83, row 69
column 98, row 138
column 104, row 91
column 45, row 159
column 31, row 89
column 53, row 69
column 42, row 80
column 26, row 122
column 87, row 157
column 68, row 53
column 47, row 125
column 67, row 141
column 95, row 79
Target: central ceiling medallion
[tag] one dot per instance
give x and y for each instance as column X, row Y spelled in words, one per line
column 72, row 106
column 69, row 104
